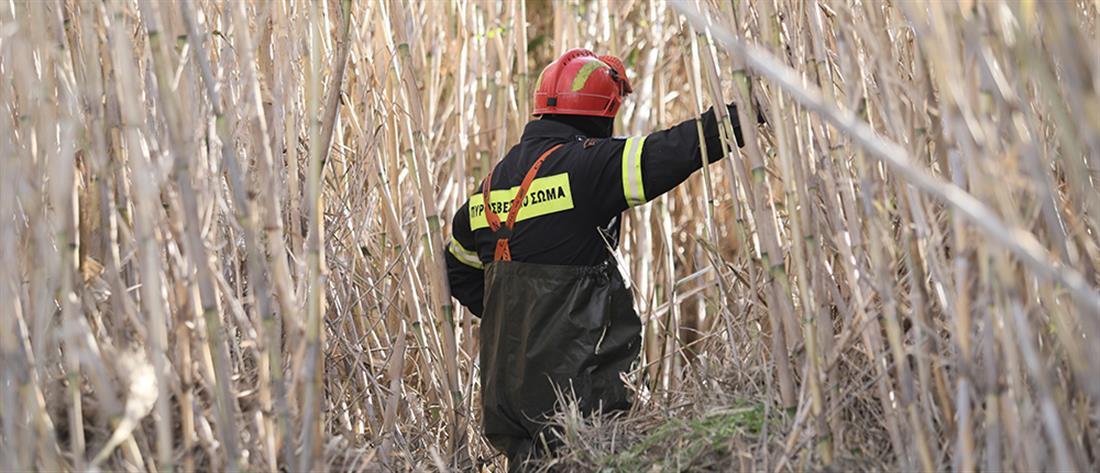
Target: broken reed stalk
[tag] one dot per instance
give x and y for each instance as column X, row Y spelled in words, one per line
column 177, row 146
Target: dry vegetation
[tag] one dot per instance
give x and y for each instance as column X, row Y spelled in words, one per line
column 223, row 224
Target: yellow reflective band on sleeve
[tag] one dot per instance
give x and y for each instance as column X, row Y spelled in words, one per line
column 546, row 195
column 464, row 256
column 633, row 189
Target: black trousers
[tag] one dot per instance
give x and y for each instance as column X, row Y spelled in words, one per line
column 547, row 330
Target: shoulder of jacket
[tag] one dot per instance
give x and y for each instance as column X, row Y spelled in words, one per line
column 587, row 143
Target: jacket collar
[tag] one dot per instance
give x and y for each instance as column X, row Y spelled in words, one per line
column 542, row 129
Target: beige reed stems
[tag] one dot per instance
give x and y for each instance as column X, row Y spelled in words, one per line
column 1020, row 242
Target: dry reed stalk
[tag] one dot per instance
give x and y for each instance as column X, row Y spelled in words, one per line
column 433, row 247
column 311, row 364
column 145, row 221
column 181, row 157
column 270, row 369
column 698, row 63
column 783, row 333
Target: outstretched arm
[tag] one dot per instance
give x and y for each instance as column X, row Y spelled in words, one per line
column 668, row 157
column 619, row 174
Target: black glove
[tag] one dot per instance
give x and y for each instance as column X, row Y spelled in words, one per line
column 736, row 122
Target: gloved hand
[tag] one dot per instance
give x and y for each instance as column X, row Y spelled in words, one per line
column 761, row 119
column 736, row 122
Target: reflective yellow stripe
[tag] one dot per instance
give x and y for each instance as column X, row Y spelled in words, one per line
column 633, row 189
column 546, row 195
column 582, row 75
column 464, row 256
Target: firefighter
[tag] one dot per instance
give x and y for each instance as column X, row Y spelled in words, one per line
column 530, row 252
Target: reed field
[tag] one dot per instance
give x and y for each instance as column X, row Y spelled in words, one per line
column 223, row 226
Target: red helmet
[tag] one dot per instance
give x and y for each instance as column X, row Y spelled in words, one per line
column 581, row 83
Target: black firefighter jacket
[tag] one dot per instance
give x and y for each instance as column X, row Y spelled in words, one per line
column 580, row 192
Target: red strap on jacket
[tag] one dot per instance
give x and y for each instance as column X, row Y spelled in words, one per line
column 503, row 252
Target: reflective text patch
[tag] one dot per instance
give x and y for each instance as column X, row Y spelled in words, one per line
column 546, row 195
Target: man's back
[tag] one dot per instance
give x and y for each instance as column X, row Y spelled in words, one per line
column 564, row 205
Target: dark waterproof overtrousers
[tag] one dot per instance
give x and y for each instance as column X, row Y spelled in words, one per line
column 545, row 328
